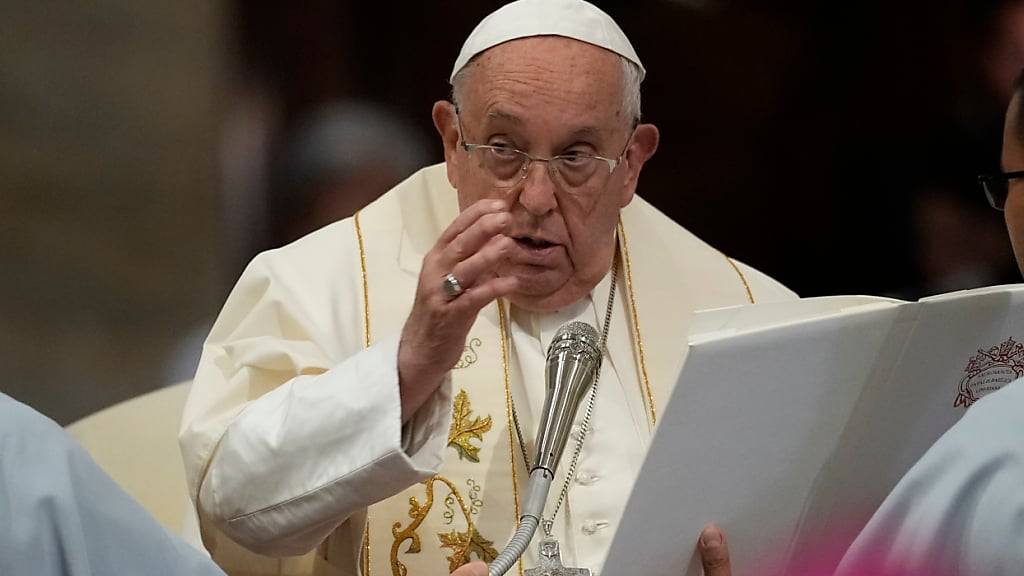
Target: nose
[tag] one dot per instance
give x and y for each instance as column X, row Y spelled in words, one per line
column 537, row 192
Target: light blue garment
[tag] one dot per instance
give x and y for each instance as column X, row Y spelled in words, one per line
column 960, row 509
column 60, row 514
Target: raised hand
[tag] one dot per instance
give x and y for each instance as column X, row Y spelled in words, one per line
column 470, row 249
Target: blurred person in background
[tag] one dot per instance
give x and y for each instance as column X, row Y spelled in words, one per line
column 339, row 157
column 959, row 242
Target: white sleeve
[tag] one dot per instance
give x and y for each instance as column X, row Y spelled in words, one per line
column 62, row 515
column 960, row 509
column 303, row 457
column 291, row 426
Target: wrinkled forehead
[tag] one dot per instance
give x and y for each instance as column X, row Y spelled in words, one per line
column 546, row 75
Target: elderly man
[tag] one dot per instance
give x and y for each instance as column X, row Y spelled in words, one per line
column 960, row 510
column 369, row 392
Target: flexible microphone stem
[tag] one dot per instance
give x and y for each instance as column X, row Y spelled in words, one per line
column 533, row 507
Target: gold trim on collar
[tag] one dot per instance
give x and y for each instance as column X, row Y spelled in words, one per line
column 366, row 339
column 637, row 340
column 366, row 290
column 743, row 278
column 503, row 327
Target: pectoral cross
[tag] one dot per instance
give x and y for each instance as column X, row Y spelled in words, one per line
column 550, row 563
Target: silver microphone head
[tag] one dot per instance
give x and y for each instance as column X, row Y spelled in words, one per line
column 573, row 360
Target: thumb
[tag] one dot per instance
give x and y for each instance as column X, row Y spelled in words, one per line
column 714, row 552
column 475, row 568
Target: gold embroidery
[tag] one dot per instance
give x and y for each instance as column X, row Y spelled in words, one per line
column 462, row 545
column 449, row 509
column 463, row 429
column 366, row 548
column 366, row 290
column 638, row 341
column 366, row 340
column 750, row 295
column 503, row 327
column 418, row 513
column 475, row 503
column 469, row 356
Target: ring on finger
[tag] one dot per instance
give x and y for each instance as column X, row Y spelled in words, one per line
column 450, row 285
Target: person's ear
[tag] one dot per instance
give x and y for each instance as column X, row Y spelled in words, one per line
column 643, row 145
column 444, row 117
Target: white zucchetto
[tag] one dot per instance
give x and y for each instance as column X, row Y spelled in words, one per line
column 574, row 19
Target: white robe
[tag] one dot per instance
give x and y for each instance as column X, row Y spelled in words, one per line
column 293, row 424
column 960, row 510
column 61, row 515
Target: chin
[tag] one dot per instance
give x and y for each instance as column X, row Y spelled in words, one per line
column 544, row 293
column 539, row 304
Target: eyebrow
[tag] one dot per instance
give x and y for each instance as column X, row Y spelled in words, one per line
column 500, row 115
column 581, row 133
column 585, row 132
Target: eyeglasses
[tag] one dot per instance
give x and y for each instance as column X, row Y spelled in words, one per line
column 575, row 171
column 997, row 187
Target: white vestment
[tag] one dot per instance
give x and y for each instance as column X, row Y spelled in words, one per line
column 61, row 515
column 960, row 510
column 293, row 426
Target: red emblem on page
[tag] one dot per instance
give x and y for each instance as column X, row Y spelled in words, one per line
column 990, row 370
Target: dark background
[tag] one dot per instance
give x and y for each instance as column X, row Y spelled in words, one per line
column 796, row 136
column 833, row 146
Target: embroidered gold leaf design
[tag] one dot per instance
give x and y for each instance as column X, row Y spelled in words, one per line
column 469, row 355
column 418, row 512
column 462, row 545
column 464, row 428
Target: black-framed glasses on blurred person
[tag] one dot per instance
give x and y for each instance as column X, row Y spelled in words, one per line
column 997, row 187
column 576, row 172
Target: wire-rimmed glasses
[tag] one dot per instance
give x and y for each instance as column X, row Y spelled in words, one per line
column 997, row 187
column 574, row 171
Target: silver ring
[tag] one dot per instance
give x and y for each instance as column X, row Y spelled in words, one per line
column 451, row 286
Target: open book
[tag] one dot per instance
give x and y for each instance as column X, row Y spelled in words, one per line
column 791, row 422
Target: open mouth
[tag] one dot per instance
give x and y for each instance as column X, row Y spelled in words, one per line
column 533, row 243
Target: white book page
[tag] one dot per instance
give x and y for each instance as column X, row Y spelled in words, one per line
column 749, row 425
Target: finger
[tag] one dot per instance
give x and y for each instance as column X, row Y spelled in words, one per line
column 484, row 261
column 475, row 568
column 714, row 552
column 475, row 298
column 474, row 237
column 468, row 216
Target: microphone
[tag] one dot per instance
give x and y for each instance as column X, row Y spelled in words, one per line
column 574, row 358
column 573, row 363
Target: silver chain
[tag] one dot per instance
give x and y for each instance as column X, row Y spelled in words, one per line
column 585, row 425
